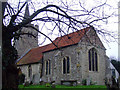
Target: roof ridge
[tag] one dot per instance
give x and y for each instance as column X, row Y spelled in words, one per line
column 60, row 37
column 74, row 32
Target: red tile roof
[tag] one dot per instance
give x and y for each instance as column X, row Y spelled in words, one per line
column 35, row 54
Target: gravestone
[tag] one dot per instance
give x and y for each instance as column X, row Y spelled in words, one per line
column 66, row 83
column 36, row 78
column 53, row 85
column 88, row 81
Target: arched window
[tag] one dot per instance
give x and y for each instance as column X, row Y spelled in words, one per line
column 48, row 67
column 93, row 60
column 66, row 65
column 29, row 70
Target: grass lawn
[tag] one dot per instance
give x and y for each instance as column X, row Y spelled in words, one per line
column 63, row 86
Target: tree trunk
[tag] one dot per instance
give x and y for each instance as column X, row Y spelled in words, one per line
column 9, row 68
column 10, row 77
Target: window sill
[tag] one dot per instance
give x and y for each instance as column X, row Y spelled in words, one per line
column 94, row 71
column 66, row 74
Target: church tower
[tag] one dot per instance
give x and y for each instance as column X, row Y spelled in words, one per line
column 26, row 42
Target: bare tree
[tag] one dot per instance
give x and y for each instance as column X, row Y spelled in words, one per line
column 59, row 18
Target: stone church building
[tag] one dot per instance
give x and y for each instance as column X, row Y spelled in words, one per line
column 78, row 56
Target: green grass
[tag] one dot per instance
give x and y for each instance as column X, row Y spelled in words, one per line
column 63, row 86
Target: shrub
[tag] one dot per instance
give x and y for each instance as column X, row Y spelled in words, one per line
column 21, row 78
column 26, row 84
column 84, row 82
column 42, row 83
column 48, row 85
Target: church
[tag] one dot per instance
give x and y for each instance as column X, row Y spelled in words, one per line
column 78, row 56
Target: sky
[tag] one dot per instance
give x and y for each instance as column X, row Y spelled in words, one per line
column 112, row 47
column 112, row 25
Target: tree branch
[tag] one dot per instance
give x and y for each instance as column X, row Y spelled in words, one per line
column 99, row 19
column 22, row 33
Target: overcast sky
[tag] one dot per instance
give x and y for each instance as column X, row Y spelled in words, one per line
column 112, row 48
